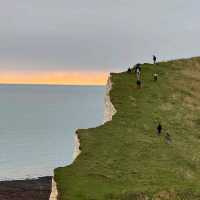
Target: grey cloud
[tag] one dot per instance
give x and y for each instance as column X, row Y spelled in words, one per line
column 102, row 35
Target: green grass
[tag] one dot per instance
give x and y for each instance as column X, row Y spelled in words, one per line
column 125, row 159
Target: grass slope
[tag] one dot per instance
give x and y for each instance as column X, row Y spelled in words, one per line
column 125, row 159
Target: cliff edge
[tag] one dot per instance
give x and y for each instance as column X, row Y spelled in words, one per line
column 109, row 111
column 126, row 158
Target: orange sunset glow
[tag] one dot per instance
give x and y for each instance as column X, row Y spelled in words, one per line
column 54, row 77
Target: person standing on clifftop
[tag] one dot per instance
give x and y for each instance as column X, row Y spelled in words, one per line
column 154, row 59
column 129, row 70
column 137, row 67
column 138, row 73
column 138, row 70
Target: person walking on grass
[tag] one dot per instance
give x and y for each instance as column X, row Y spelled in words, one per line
column 154, row 59
column 155, row 76
column 137, row 67
column 138, row 73
column 159, row 129
column 129, row 70
column 138, row 70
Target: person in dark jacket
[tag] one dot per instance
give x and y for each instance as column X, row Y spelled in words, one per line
column 159, row 128
column 155, row 77
column 154, row 59
column 137, row 67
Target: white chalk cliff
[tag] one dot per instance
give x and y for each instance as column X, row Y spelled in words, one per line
column 108, row 113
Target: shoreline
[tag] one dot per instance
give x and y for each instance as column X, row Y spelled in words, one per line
column 27, row 189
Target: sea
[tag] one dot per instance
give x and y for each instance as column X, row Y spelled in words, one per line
column 38, row 124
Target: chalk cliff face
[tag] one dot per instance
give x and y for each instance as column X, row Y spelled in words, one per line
column 108, row 113
column 77, row 150
column 109, row 108
column 54, row 192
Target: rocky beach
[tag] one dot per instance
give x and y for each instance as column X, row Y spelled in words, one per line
column 29, row 189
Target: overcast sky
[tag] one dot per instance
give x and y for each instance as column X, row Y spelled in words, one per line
column 105, row 35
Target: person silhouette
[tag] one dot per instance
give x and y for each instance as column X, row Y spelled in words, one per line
column 159, row 128
column 154, row 59
column 155, row 76
column 137, row 67
column 138, row 73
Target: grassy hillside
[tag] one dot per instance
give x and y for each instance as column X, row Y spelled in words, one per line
column 125, row 159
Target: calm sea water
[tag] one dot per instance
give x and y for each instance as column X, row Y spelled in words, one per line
column 37, row 126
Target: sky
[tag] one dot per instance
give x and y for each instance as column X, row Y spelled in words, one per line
column 80, row 42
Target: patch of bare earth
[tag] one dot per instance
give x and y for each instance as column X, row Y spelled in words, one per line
column 165, row 195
